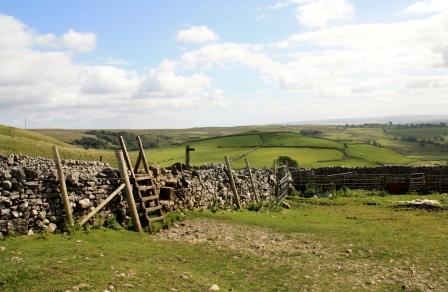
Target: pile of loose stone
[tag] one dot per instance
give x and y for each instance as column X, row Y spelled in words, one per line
column 30, row 198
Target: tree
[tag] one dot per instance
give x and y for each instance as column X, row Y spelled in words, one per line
column 288, row 161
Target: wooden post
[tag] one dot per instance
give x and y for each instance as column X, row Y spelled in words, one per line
column 128, row 187
column 274, row 170
column 142, row 154
column 64, row 195
column 187, row 157
column 252, row 180
column 232, row 183
column 188, row 149
column 126, row 156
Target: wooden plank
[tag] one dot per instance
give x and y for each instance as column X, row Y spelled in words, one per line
column 252, row 180
column 232, row 183
column 145, row 188
column 137, row 163
column 150, row 198
column 128, row 187
column 101, row 205
column 143, row 177
column 152, row 209
column 126, row 157
column 156, row 219
column 64, row 195
column 142, row 154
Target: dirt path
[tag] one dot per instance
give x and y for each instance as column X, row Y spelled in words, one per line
column 308, row 257
column 245, row 239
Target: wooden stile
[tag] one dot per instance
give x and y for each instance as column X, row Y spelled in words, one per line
column 144, row 187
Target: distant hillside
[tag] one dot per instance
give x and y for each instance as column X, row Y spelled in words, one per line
column 309, row 145
column 405, row 119
column 13, row 140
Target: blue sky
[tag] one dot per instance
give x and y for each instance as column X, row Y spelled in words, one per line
column 86, row 64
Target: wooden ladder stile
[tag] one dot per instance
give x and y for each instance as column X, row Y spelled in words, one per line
column 145, row 187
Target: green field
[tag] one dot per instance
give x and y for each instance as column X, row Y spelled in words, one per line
column 295, row 140
column 376, row 154
column 335, row 146
column 319, row 244
column 430, row 133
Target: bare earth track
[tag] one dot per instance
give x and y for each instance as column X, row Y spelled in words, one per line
column 310, row 261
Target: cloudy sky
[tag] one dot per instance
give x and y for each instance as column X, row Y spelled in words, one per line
column 175, row 64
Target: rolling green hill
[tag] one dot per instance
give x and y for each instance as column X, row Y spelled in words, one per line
column 434, row 134
column 13, row 140
column 333, row 146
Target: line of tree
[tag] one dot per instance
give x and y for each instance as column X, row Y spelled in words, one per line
column 104, row 139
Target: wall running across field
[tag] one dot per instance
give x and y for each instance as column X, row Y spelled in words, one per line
column 30, row 199
column 390, row 178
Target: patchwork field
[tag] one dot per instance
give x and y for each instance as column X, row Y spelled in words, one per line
column 432, row 134
column 334, row 146
column 341, row 244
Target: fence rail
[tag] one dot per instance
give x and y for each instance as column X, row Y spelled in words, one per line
column 282, row 183
column 395, row 182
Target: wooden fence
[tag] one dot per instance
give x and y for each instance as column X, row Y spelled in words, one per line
column 393, row 183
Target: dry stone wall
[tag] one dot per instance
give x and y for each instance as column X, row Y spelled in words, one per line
column 30, row 199
column 29, row 192
column 387, row 169
column 433, row 178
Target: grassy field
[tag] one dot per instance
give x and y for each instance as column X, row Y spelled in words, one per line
column 420, row 132
column 338, row 146
column 295, row 140
column 319, row 244
column 13, row 140
column 376, row 155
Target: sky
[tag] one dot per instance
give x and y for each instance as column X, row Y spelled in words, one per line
column 177, row 64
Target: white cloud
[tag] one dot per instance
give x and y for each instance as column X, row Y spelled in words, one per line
column 80, row 42
column 318, row 13
column 164, row 82
column 367, row 68
column 275, row 6
column 16, row 35
column 362, row 64
column 108, row 79
column 314, row 13
column 38, row 75
column 196, row 34
column 427, row 6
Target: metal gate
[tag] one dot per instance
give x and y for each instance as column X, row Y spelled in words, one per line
column 282, row 183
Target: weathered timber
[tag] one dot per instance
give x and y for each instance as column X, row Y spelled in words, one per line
column 232, row 183
column 63, row 187
column 252, row 180
column 101, row 205
column 128, row 187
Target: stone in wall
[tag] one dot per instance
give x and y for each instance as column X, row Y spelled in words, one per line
column 30, row 197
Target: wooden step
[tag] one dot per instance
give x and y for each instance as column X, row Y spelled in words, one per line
column 152, row 209
column 143, row 177
column 155, row 219
column 145, row 188
column 150, row 198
